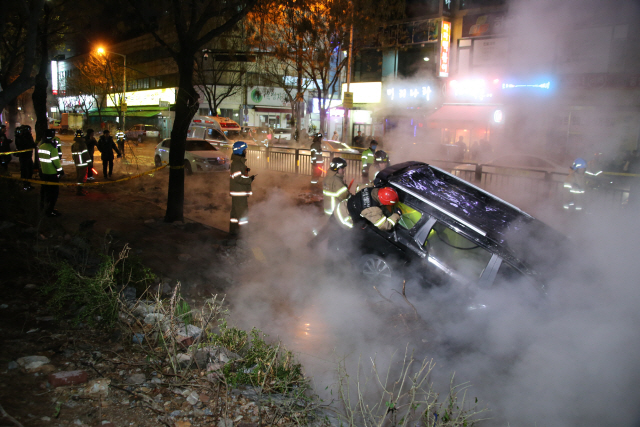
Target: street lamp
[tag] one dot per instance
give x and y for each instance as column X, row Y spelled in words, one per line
column 123, row 103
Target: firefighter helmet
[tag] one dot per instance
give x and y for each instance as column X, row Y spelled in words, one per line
column 79, row 132
column 387, row 196
column 579, row 163
column 239, row 147
column 381, row 157
column 319, row 134
column 337, row 163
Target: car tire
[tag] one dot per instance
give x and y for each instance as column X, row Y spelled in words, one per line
column 158, row 161
column 375, row 268
column 187, row 168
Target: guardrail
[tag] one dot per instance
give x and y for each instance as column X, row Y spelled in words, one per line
column 530, row 184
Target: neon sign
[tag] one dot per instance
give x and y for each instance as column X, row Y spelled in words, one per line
column 546, row 85
column 408, row 93
column 476, row 89
column 445, row 44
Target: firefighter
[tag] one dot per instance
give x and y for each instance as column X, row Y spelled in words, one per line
column 316, row 158
column 120, row 139
column 367, row 159
column 368, row 204
column 24, row 141
column 50, row 171
column 380, row 161
column 82, row 160
column 333, row 187
column 91, row 142
column 239, row 187
column 576, row 184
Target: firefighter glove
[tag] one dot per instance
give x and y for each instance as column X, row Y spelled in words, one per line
column 397, row 210
column 61, row 174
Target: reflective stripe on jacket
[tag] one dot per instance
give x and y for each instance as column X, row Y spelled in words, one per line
column 80, row 153
column 367, row 157
column 334, row 190
column 316, row 152
column 49, row 159
column 239, row 180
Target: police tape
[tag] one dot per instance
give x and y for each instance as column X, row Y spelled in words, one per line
column 620, row 174
column 15, row 152
column 85, row 184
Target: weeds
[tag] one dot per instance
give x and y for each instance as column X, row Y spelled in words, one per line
column 407, row 398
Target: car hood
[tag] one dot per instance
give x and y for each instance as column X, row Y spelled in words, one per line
column 206, row 154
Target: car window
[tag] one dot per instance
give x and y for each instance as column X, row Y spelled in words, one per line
column 199, row 145
column 409, row 216
column 166, row 143
column 214, row 134
column 150, row 127
column 456, row 252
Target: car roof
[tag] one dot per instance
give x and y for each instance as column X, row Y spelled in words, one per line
column 486, row 214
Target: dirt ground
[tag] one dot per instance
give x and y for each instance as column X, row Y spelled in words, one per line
column 108, row 217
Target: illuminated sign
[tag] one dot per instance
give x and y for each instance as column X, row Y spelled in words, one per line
column 498, row 116
column 316, row 104
column 146, row 97
column 54, row 77
column 408, row 93
column 546, row 85
column 476, row 89
column 445, row 44
column 364, row 93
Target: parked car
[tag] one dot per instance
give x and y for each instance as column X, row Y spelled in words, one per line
column 211, row 134
column 452, row 233
column 142, row 133
column 261, row 134
column 282, row 134
column 199, row 156
column 338, row 147
column 234, row 136
column 525, row 165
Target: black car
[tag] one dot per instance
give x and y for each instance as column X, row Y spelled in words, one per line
column 453, row 232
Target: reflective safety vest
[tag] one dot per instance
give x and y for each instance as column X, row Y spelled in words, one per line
column 334, row 190
column 80, row 153
column 49, row 159
column 367, row 157
column 239, row 181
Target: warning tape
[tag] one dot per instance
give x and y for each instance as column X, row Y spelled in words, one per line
column 620, row 174
column 15, row 152
column 83, row 184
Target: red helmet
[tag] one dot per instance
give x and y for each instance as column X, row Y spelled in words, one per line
column 387, row 196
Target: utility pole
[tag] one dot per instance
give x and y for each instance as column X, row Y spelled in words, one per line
column 346, row 129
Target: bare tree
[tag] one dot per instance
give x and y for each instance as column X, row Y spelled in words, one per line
column 188, row 26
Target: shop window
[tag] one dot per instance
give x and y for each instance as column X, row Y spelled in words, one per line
column 455, row 252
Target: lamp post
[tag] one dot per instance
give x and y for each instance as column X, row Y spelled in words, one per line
column 123, row 102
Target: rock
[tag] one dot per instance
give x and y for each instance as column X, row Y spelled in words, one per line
column 45, row 419
column 136, row 379
column 193, row 398
column 166, row 288
column 226, row 356
column 153, row 318
column 156, row 381
column 208, row 412
column 106, row 423
column 185, row 342
column 98, row 387
column 129, row 294
column 184, row 360
column 183, row 424
column 203, row 398
column 137, row 338
column 189, row 331
column 184, row 257
column 225, row 422
column 32, row 362
column 198, row 412
column 12, row 365
column 67, row 378
column 175, row 413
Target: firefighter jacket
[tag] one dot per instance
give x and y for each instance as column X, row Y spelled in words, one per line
column 365, row 204
column 80, row 153
column 334, row 190
column 575, row 182
column 49, row 159
column 25, row 142
column 240, row 182
column 367, row 158
column 316, row 152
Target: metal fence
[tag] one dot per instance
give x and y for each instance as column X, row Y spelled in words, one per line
column 521, row 185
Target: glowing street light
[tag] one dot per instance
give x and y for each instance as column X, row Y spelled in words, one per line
column 123, row 103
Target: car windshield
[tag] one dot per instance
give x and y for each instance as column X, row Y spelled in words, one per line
column 199, row 145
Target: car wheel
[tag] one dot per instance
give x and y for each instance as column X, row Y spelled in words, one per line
column 375, row 268
column 158, row 161
column 187, row 168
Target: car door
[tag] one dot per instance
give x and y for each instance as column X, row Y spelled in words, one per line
column 164, row 150
column 216, row 137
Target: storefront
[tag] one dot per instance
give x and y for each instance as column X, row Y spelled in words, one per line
column 367, row 98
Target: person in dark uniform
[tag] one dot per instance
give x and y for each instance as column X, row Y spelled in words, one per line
column 106, row 146
column 239, row 188
column 91, row 142
column 316, row 158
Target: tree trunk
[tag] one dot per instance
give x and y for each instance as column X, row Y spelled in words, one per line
column 186, row 107
column 39, row 95
column 12, row 112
